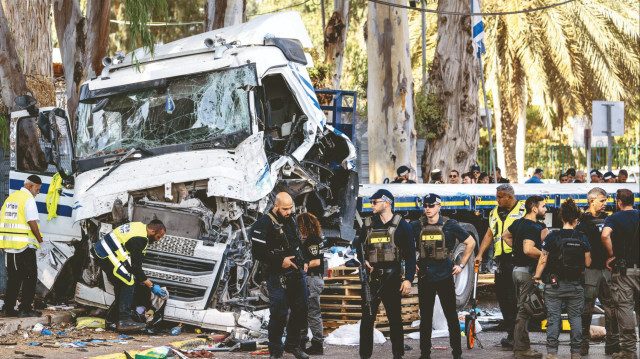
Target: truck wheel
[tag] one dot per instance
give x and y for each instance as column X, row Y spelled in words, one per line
column 464, row 280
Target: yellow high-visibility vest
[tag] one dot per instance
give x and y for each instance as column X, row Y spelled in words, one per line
column 15, row 232
column 112, row 246
column 498, row 226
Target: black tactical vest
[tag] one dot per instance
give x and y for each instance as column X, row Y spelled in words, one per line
column 380, row 245
column 432, row 241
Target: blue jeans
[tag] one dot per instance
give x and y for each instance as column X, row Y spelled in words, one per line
column 572, row 294
column 292, row 298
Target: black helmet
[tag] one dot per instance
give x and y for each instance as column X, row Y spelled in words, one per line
column 534, row 305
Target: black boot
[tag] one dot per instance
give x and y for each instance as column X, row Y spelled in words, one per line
column 507, row 342
column 9, row 312
column 315, row 348
column 297, row 352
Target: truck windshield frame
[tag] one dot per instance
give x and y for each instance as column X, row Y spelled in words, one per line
column 196, row 109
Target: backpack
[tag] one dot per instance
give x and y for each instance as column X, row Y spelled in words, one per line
column 569, row 258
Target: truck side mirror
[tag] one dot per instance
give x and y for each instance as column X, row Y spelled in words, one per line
column 28, row 103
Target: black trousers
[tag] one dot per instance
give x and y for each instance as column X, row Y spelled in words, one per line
column 446, row 290
column 506, row 293
column 22, row 271
column 120, row 309
column 391, row 299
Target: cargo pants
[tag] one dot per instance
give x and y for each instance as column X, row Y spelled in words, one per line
column 624, row 289
column 572, row 294
column 315, row 284
column 597, row 284
column 524, row 285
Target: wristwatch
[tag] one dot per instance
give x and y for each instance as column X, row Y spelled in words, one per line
column 461, row 266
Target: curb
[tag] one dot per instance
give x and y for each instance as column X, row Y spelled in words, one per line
column 180, row 344
column 12, row 325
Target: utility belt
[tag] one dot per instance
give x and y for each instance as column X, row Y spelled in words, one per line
column 312, row 274
column 291, row 278
column 621, row 267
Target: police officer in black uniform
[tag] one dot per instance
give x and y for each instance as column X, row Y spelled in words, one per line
column 436, row 237
column 620, row 239
column 597, row 278
column 387, row 239
column 565, row 253
column 275, row 241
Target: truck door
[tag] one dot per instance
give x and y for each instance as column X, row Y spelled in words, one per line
column 34, row 152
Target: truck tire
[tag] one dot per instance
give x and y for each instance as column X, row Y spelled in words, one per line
column 464, row 280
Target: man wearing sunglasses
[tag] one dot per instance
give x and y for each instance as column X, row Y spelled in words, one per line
column 436, row 237
column 501, row 217
column 454, row 177
column 387, row 240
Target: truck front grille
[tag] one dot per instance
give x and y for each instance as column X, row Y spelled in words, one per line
column 178, row 264
column 173, row 244
column 179, row 291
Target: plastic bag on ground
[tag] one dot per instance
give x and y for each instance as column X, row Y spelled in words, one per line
column 89, row 322
column 349, row 334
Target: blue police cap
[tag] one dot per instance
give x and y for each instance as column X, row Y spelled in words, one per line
column 384, row 195
column 431, row 198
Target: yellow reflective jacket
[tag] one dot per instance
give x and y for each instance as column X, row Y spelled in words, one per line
column 15, row 232
column 113, row 246
column 498, row 226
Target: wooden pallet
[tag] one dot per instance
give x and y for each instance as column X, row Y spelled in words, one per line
column 341, row 303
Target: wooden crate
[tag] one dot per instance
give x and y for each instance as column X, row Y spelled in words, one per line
column 341, row 302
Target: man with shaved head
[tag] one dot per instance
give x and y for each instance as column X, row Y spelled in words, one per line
column 276, row 243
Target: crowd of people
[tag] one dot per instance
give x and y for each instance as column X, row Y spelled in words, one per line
column 475, row 175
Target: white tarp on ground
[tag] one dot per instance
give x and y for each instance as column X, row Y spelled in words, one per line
column 349, row 334
column 439, row 326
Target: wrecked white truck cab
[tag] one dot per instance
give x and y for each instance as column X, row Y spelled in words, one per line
column 201, row 136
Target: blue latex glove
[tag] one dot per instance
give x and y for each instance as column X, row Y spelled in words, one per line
column 157, row 290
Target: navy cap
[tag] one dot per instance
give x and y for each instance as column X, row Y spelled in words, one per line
column 431, row 198
column 403, row 170
column 384, row 195
column 595, row 172
column 609, row 175
column 538, row 170
column 475, row 168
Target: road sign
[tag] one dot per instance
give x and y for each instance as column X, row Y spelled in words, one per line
column 599, row 125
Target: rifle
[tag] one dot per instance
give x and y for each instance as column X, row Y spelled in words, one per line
column 364, row 278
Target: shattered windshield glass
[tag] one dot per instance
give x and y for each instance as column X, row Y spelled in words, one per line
column 188, row 109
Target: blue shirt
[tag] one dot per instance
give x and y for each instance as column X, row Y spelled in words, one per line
column 432, row 269
column 624, row 237
column 534, row 179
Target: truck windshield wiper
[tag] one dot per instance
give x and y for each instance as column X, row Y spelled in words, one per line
column 121, row 161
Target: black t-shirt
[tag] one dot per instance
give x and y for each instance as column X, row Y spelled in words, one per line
column 592, row 227
column 522, row 229
column 624, row 235
column 433, row 269
column 551, row 244
column 403, row 238
column 311, row 251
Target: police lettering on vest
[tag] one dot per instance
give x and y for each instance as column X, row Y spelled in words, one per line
column 113, row 247
column 498, row 226
column 15, row 232
column 432, row 241
column 380, row 245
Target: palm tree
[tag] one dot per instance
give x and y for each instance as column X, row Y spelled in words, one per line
column 561, row 58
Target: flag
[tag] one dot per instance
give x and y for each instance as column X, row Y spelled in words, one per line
column 478, row 28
